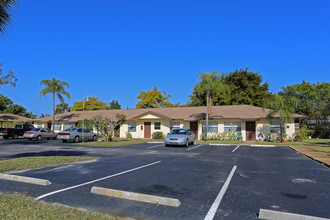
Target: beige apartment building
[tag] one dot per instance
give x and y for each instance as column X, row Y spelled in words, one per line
column 249, row 121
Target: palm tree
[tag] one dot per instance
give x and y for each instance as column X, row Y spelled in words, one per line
column 55, row 87
column 284, row 106
column 5, row 16
column 209, row 84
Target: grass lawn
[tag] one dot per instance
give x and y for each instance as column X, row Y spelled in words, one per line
column 20, row 206
column 321, row 149
column 116, row 142
column 317, row 141
column 23, row 163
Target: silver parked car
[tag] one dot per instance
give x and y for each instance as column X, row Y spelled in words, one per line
column 76, row 135
column 180, row 136
column 39, row 134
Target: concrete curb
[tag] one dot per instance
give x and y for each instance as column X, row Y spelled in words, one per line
column 24, row 179
column 257, row 145
column 136, row 196
column 310, row 157
column 270, row 214
column 221, row 144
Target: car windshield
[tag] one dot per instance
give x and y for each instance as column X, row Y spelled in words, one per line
column 71, row 129
column 35, row 129
column 179, row 131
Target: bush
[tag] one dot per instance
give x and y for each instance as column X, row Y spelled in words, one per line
column 224, row 136
column 158, row 135
column 302, row 135
column 128, row 135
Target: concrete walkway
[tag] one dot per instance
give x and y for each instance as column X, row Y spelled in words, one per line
column 321, row 157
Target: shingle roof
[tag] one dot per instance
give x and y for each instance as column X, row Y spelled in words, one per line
column 242, row 112
column 12, row 117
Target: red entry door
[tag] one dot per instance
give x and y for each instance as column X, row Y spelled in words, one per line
column 147, row 129
column 250, row 130
column 194, row 128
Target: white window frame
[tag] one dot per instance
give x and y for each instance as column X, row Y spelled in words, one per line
column 131, row 126
column 174, row 125
column 275, row 127
column 160, row 126
column 212, row 128
column 232, row 126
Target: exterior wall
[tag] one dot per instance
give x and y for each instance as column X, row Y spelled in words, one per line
column 263, row 127
column 221, row 127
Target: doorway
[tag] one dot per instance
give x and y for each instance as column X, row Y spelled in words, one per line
column 250, row 130
column 194, row 128
column 147, row 129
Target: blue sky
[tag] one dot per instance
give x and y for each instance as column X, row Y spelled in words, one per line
column 115, row 49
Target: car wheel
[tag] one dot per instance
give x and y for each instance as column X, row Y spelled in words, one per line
column 76, row 139
column 39, row 138
column 14, row 136
column 64, row 141
column 187, row 143
column 5, row 137
column 94, row 138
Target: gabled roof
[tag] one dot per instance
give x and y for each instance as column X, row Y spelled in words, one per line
column 12, row 118
column 240, row 112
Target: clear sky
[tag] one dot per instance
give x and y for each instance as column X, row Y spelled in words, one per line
column 115, row 49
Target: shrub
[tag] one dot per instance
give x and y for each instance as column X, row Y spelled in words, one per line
column 302, row 133
column 128, row 135
column 158, row 135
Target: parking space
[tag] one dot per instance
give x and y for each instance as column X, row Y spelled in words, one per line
column 273, row 178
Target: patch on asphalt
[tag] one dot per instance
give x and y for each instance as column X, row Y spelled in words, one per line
column 301, row 180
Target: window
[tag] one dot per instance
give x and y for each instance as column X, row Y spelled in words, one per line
column 57, row 127
column 275, row 127
column 67, row 125
column 232, row 126
column 132, row 126
column 174, row 125
column 157, row 125
column 212, row 128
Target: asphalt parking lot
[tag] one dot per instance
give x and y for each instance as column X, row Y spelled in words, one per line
column 274, row 178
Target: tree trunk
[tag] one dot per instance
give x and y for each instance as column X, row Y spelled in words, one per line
column 53, row 121
column 281, row 128
column 207, row 115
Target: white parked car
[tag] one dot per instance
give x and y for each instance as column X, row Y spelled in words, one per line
column 76, row 135
column 180, row 136
column 39, row 134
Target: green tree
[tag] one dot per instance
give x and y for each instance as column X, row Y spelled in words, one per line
column 154, row 99
column 209, row 84
column 106, row 126
column 114, row 105
column 62, row 108
column 88, row 123
column 4, row 102
column 5, row 8
column 313, row 101
column 284, row 106
column 44, row 115
column 93, row 103
column 10, row 78
column 55, row 88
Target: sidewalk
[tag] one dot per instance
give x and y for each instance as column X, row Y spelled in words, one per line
column 321, row 157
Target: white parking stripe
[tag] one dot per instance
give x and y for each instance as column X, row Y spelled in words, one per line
column 93, row 181
column 156, row 146
column 216, row 203
column 194, row 147
column 236, row 148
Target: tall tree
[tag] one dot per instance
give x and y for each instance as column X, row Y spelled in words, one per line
column 209, row 84
column 245, row 87
column 9, row 78
column 55, row 88
column 93, row 103
column 313, row 101
column 62, row 107
column 114, row 105
column 154, row 99
column 284, row 106
column 5, row 8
